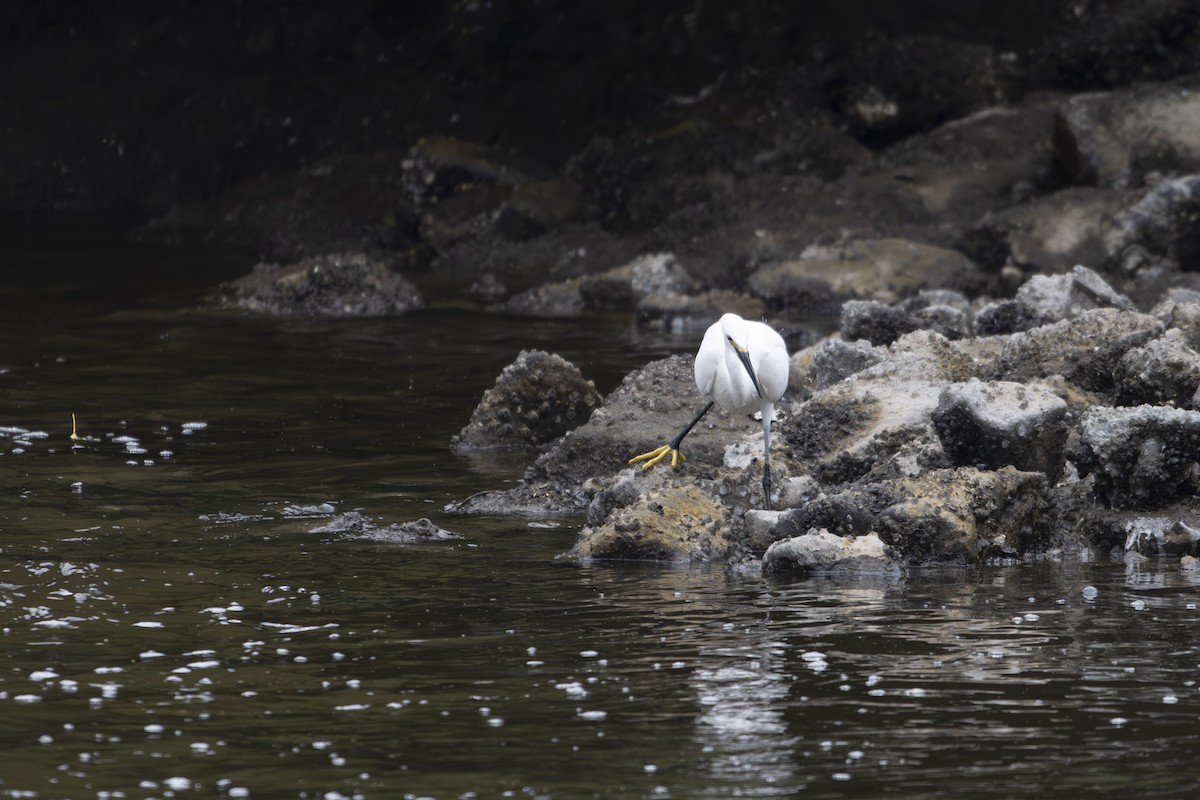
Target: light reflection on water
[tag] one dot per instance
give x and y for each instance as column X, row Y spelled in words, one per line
column 171, row 627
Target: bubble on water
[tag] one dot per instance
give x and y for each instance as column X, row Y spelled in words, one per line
column 573, row 689
column 1118, row 721
column 178, row 784
column 1170, row 699
column 153, row 728
column 840, row 776
column 107, row 670
column 1017, row 620
column 353, row 707
column 148, row 624
column 1138, row 605
column 588, row 653
column 592, row 716
column 45, row 738
column 43, row 675
column 27, row 698
column 238, row 791
column 1090, row 592
column 495, row 722
column 1031, row 617
column 650, row 768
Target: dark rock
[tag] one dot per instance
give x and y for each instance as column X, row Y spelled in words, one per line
column 1163, row 535
column 1141, row 457
column 1164, row 371
column 877, row 323
column 831, row 360
column 1045, row 299
column 693, row 313
column 340, row 285
column 821, row 551
column 536, row 399
column 997, row 424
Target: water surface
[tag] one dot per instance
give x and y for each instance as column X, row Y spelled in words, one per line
column 170, row 627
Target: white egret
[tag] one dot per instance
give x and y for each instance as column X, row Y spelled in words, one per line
column 741, row 366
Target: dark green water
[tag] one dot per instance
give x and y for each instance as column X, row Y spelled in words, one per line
column 170, row 628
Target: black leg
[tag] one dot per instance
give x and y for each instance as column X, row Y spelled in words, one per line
column 678, row 440
column 766, row 462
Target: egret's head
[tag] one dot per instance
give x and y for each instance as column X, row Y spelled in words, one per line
column 733, row 328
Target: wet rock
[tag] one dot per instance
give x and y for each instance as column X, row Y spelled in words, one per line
column 1162, row 536
column 1084, row 350
column 1000, row 423
column 821, row 551
column 1141, row 457
column 677, row 523
column 1050, row 233
column 648, row 409
column 339, row 285
column 874, row 269
column 1118, row 138
column 966, row 515
column 944, row 516
column 354, row 525
column 536, row 399
column 1164, row 371
column 1044, row 299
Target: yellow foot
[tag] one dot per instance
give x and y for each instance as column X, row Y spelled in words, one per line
column 655, row 456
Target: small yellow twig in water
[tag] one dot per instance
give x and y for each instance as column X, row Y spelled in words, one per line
column 74, row 435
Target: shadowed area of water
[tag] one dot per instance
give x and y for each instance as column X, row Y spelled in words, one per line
column 170, row 627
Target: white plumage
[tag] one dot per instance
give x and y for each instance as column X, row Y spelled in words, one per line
column 742, row 366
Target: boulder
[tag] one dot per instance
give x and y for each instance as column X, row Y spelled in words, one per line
column 1001, row 423
column 1117, row 138
column 865, row 269
column 821, row 551
column 674, row 523
column 1164, row 371
column 1141, row 457
column 1084, row 350
column 536, row 399
column 337, row 285
column 1044, row 299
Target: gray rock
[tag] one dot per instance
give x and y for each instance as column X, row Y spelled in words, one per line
column 338, row 285
column 1162, row 223
column 536, row 399
column 1050, row 233
column 693, row 313
column 875, row 322
column 1044, row 299
column 675, row 523
column 1084, row 350
column 648, row 409
column 1117, row 138
column 988, row 160
column 1141, row 457
column 869, row 269
column 821, row 551
column 966, row 515
column 354, row 525
column 995, row 424
column 1164, row 371
column 620, row 288
column 835, row 359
